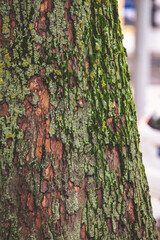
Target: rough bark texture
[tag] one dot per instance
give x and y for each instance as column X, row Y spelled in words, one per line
column 70, row 164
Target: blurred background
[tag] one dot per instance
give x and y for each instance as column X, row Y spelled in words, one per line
column 140, row 20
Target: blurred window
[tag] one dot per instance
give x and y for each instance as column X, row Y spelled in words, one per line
column 156, row 13
column 130, row 12
column 154, row 121
column 157, row 2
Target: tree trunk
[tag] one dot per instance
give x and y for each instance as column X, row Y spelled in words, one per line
column 70, row 164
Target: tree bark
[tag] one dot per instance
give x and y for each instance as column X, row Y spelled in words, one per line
column 70, row 163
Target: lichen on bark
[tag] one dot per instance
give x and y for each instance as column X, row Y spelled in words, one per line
column 70, row 163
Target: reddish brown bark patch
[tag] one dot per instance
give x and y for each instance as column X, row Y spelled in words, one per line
column 48, row 125
column 57, row 149
column 4, row 109
column 86, row 63
column 13, row 23
column 100, row 198
column 57, row 228
column 36, row 114
column 9, row 142
column 22, row 190
column 60, row 89
column 45, row 201
column 83, row 231
column 109, row 224
column 80, row 102
column 30, row 201
column 2, row 40
column 125, row 194
column 70, row 32
column 70, row 185
column 77, row 189
column 6, row 170
column 131, row 209
column 10, row 2
column 35, row 84
column 48, row 145
column 49, row 174
column 28, row 155
column 44, row 185
column 58, row 195
column 141, row 232
column 46, row 6
column 26, row 231
column 70, row 65
column 38, row 47
column 66, row 7
column 113, row 160
column 25, row 170
column 44, row 101
column 76, row 109
column 8, row 223
column 41, row 26
column 42, row 21
column 84, row 184
column 69, row 22
column 129, row 198
column 123, row 121
column 73, row 81
column 36, row 128
column 62, row 213
column 110, row 123
column 38, row 220
column 118, row 227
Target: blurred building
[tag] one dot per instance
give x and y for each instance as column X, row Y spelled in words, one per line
column 127, row 11
column 156, row 13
